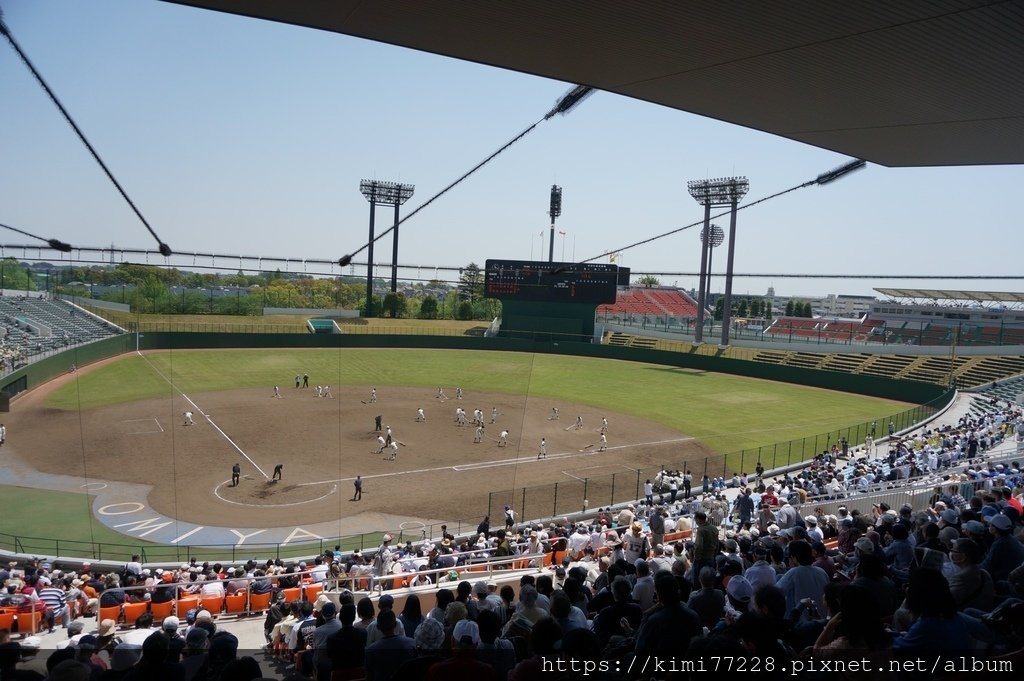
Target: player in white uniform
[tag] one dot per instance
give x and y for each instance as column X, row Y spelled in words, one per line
column 554, row 413
column 382, row 443
column 188, row 418
column 327, row 392
column 579, row 423
column 420, row 416
column 479, row 436
column 277, row 391
column 394, row 451
column 494, row 414
column 458, row 393
column 543, row 454
column 604, row 425
column 373, row 394
column 604, row 443
column 503, row 439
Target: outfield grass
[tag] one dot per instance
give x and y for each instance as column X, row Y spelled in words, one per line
column 728, row 413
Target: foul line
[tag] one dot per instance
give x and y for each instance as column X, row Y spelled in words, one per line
column 500, row 462
column 206, row 416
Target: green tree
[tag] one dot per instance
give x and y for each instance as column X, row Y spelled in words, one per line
column 807, row 312
column 428, row 308
column 14, row 276
column 741, row 311
column 152, row 290
column 471, row 282
column 465, row 310
column 395, row 304
column 649, row 280
column 719, row 309
column 789, row 307
column 768, row 309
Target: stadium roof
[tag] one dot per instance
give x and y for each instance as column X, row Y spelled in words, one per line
column 895, row 83
column 935, row 294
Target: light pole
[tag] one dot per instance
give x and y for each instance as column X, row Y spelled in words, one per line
column 388, row 194
column 716, row 239
column 554, row 210
column 708, row 193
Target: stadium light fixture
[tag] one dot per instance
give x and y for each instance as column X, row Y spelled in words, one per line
column 719, row 192
column 555, row 209
column 388, row 194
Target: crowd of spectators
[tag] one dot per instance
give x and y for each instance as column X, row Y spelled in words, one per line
column 694, row 573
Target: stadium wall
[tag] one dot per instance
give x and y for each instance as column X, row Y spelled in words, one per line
column 43, row 370
column 863, row 384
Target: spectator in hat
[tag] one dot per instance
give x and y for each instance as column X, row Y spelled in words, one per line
column 1005, row 553
column 463, row 663
column 124, row 657
column 194, row 653
column 386, row 655
column 318, row 639
column 87, row 653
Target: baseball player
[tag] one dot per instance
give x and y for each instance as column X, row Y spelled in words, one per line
column 503, row 439
column 479, row 436
column 373, row 394
column 188, row 418
column 381, row 444
column 543, row 453
column 420, row 416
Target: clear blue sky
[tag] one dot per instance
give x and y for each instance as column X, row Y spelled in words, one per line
column 237, row 135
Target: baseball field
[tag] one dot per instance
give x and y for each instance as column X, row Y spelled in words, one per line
column 122, row 420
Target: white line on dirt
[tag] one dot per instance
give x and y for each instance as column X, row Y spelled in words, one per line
column 207, row 417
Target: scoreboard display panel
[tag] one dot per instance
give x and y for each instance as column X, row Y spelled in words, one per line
column 565, row 282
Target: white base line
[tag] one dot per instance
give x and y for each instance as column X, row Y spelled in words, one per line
column 206, row 416
column 501, row 462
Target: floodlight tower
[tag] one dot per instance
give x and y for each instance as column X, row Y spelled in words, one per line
column 708, row 193
column 716, row 239
column 554, row 211
column 388, row 194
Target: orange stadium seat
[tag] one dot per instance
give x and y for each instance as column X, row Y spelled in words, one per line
column 183, row 605
column 161, row 611
column 235, row 604
column 292, row 595
column 212, row 604
column 112, row 612
column 7, row 620
column 132, row 611
column 28, row 622
column 259, row 602
column 311, row 591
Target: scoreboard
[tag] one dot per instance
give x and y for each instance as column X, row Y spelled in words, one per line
column 556, row 282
